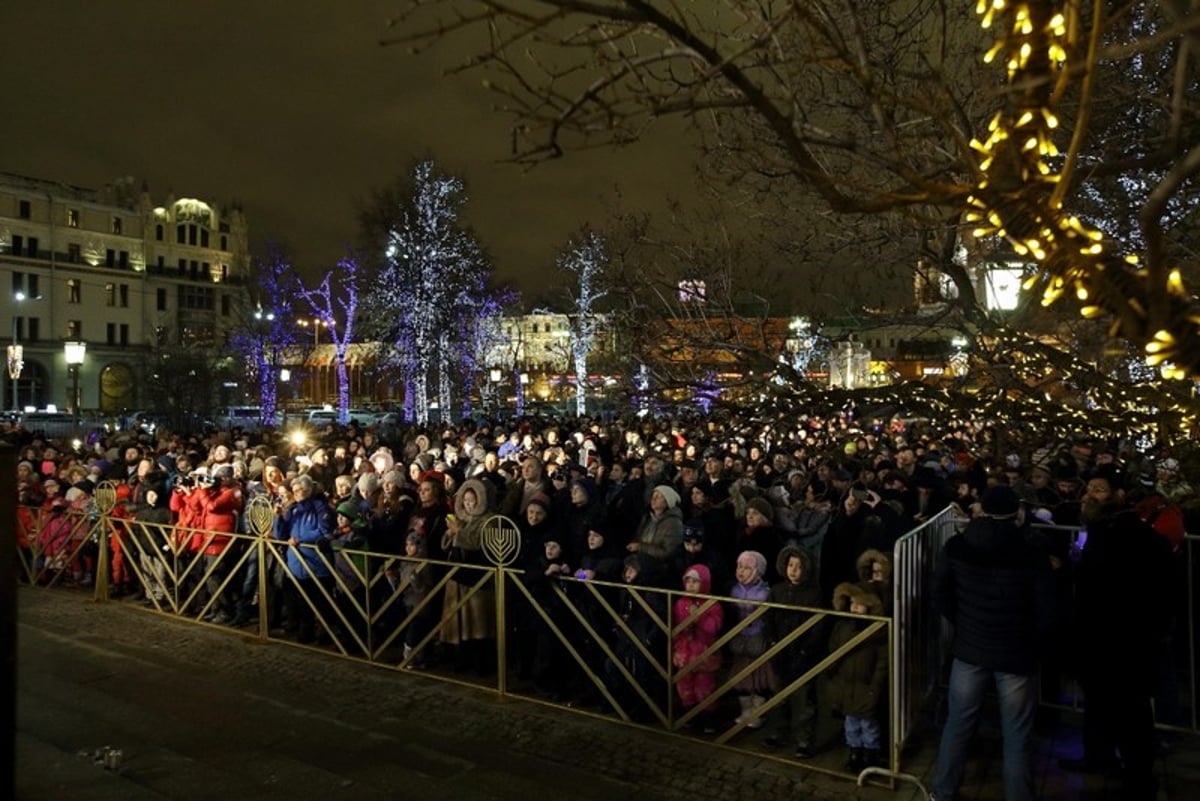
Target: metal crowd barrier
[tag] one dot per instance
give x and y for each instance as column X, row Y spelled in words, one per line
column 921, row 642
column 625, row 674
column 624, row 670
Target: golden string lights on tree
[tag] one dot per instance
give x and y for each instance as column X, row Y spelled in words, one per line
column 1019, row 192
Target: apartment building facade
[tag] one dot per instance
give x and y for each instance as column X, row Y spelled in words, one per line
column 111, row 269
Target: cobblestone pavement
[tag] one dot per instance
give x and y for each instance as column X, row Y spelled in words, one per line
column 201, row 712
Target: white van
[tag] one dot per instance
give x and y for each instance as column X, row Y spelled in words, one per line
column 247, row 418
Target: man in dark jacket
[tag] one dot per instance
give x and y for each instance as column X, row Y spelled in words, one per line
column 1122, row 597
column 997, row 590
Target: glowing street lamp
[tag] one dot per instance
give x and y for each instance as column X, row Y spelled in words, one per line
column 315, row 323
column 74, row 353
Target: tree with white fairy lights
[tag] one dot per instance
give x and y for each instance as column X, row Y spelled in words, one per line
column 428, row 261
column 336, row 299
column 585, row 259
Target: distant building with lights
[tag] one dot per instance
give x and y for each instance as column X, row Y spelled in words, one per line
column 111, row 268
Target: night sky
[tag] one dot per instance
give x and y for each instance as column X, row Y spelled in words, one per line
column 295, row 111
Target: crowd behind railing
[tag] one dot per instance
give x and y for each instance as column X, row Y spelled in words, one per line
column 367, row 546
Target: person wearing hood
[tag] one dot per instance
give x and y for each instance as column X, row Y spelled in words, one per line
column 998, row 592
column 858, row 680
column 471, row 626
column 661, row 530
column 151, row 521
column 697, row 624
column 799, row 592
column 750, row 591
column 875, row 571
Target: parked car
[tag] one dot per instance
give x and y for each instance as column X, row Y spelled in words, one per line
column 328, row 414
column 247, row 418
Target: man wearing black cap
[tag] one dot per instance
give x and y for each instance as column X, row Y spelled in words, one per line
column 1121, row 595
column 998, row 592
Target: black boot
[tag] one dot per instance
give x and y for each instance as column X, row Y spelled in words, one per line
column 855, row 763
column 872, row 758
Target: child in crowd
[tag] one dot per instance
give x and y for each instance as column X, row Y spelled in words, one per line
column 875, row 573
column 751, row 641
column 416, row 579
column 799, row 588
column 643, row 611
column 697, row 622
column 856, row 681
column 551, row 660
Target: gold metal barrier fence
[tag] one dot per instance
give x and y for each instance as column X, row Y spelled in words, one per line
column 58, row 548
column 615, row 638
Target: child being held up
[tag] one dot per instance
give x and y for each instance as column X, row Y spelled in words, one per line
column 857, row 680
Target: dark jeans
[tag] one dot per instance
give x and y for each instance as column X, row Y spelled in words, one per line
column 1018, row 704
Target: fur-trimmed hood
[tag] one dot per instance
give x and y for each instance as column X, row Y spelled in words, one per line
column 869, row 557
column 847, row 592
column 785, row 554
column 485, row 502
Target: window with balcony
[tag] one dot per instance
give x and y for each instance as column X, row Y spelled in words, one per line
column 116, row 225
column 123, row 332
column 110, row 334
column 74, row 254
column 160, row 300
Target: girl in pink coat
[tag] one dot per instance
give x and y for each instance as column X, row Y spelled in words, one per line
column 697, row 627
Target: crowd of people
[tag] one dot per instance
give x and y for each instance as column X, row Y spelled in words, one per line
column 804, row 515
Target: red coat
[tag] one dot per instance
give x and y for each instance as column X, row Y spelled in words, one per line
column 218, row 509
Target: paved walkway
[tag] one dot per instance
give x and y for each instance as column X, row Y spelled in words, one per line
column 200, row 713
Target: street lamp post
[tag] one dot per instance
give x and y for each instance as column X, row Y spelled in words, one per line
column 74, row 352
column 16, row 356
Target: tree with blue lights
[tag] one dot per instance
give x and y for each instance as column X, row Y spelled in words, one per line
column 337, row 299
column 266, row 331
column 585, row 258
